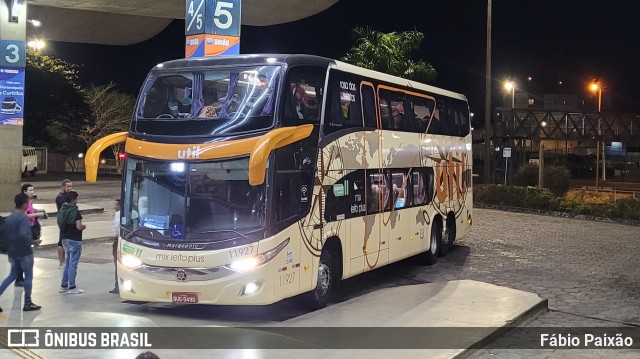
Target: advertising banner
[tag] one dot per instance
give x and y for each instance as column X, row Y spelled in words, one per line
column 11, row 95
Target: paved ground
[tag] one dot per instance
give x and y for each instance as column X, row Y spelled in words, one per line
column 587, row 270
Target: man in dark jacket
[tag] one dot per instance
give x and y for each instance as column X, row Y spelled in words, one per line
column 18, row 239
column 71, row 227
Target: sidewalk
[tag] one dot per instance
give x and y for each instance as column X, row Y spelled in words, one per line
column 52, row 210
column 96, row 231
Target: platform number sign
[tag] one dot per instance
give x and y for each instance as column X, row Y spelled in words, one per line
column 12, row 53
column 223, row 18
column 194, row 19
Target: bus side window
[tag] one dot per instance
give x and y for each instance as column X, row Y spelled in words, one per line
column 303, row 96
column 369, row 106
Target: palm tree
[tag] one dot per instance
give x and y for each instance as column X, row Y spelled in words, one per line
column 389, row 53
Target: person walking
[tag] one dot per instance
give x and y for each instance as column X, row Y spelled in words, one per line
column 71, row 227
column 17, row 236
column 67, row 186
column 33, row 216
column 116, row 234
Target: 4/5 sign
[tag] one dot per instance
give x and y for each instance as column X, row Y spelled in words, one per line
column 223, row 17
column 12, row 53
column 194, row 18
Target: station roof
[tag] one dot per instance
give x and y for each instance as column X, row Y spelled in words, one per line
column 124, row 22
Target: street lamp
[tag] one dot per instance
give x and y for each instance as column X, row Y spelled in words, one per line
column 511, row 86
column 37, row 44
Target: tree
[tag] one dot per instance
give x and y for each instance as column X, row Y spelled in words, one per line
column 54, row 105
column 111, row 112
column 389, row 53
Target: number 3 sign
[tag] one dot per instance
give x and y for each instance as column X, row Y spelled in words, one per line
column 12, row 53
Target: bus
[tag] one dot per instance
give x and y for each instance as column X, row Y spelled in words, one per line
column 254, row 178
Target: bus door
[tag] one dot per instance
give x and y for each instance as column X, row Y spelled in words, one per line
column 376, row 246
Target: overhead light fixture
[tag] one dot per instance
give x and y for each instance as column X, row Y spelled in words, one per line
column 14, row 11
column 35, row 23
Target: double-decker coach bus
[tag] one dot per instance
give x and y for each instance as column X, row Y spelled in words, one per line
column 255, row 178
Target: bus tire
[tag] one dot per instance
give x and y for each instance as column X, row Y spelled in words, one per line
column 319, row 297
column 435, row 239
column 448, row 235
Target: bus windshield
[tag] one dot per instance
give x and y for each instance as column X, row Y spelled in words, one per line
column 204, row 201
column 208, row 101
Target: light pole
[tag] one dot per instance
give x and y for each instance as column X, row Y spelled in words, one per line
column 511, row 86
column 597, row 89
column 487, row 103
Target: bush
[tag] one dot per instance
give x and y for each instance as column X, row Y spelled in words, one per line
column 527, row 175
column 544, row 199
column 528, row 197
column 556, row 179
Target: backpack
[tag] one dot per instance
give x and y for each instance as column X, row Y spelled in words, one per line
column 3, row 245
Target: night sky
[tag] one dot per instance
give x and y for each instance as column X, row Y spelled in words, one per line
column 571, row 41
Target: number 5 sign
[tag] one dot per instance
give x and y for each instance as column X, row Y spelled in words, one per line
column 223, row 17
column 12, row 53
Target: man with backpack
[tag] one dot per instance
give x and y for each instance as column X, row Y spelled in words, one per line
column 17, row 240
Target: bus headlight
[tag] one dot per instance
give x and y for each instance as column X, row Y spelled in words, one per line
column 130, row 261
column 247, row 264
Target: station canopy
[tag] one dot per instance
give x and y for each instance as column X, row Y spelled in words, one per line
column 125, row 22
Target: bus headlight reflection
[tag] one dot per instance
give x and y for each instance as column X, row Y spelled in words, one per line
column 247, row 264
column 244, row 265
column 130, row 261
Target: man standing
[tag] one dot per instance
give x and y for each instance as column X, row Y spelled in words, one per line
column 60, row 200
column 17, row 234
column 71, row 227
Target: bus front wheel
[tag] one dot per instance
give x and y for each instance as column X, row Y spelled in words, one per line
column 319, row 297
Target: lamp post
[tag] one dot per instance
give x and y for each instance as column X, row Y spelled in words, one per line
column 511, row 86
column 597, row 89
column 487, row 103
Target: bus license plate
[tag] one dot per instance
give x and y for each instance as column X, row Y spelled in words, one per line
column 184, row 297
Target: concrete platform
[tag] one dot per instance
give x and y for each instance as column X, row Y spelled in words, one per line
column 447, row 304
column 95, row 231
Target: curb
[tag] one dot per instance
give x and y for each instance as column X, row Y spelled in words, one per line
column 533, row 312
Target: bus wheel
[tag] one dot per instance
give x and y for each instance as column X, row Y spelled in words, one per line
column 319, row 297
column 435, row 239
column 448, row 235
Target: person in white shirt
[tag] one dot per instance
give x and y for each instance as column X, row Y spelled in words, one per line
column 116, row 234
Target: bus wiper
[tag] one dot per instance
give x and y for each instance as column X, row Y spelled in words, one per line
column 149, row 230
column 220, row 230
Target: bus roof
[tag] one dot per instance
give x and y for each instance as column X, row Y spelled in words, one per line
column 299, row 59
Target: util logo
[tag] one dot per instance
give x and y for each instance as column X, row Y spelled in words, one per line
column 193, row 152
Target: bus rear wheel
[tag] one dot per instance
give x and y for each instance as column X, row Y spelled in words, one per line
column 435, row 240
column 319, row 297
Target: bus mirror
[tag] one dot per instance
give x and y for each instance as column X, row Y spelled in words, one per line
column 92, row 158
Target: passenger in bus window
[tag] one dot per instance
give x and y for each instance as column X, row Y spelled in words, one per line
column 398, row 117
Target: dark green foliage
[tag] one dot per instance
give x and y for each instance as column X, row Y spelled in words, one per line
column 527, row 175
column 556, row 179
column 544, row 199
column 389, row 53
